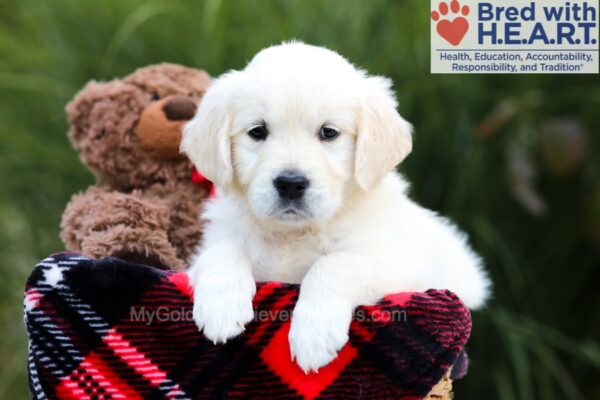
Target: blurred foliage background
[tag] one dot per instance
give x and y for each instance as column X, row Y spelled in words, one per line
column 514, row 160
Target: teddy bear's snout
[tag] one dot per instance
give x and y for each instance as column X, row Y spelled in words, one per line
column 178, row 108
column 160, row 124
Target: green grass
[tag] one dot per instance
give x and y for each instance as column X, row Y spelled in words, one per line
column 539, row 336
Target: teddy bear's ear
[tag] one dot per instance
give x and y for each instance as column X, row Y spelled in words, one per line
column 207, row 137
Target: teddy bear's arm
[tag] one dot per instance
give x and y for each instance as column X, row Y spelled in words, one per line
column 101, row 222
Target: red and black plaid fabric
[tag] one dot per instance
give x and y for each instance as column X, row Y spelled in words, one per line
column 107, row 329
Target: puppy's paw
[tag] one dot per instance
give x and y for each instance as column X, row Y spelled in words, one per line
column 319, row 330
column 221, row 310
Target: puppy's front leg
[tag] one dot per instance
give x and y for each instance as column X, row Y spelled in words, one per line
column 330, row 291
column 223, row 291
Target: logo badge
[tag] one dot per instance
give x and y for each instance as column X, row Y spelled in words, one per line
column 515, row 37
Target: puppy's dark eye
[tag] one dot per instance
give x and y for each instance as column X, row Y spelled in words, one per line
column 328, row 133
column 259, row 132
column 155, row 97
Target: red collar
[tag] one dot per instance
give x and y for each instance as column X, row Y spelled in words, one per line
column 200, row 179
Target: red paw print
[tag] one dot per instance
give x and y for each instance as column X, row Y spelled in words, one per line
column 452, row 30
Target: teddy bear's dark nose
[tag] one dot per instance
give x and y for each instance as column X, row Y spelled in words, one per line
column 179, row 108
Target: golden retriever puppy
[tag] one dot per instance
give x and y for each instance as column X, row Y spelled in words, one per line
column 302, row 146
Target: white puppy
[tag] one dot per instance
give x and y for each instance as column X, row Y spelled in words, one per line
column 302, row 146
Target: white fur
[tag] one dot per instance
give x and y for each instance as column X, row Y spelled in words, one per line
column 357, row 237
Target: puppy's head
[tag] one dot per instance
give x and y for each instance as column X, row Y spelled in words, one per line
column 297, row 131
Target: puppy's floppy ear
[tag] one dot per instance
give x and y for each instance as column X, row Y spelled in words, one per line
column 384, row 138
column 207, row 137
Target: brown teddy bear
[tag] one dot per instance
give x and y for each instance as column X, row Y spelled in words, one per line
column 144, row 207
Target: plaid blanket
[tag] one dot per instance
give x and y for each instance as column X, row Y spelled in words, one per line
column 108, row 329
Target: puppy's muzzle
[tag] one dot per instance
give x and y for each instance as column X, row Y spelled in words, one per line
column 291, row 185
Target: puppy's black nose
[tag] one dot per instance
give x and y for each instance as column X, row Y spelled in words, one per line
column 291, row 185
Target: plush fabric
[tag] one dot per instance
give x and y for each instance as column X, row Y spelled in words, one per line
column 144, row 206
column 108, row 329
